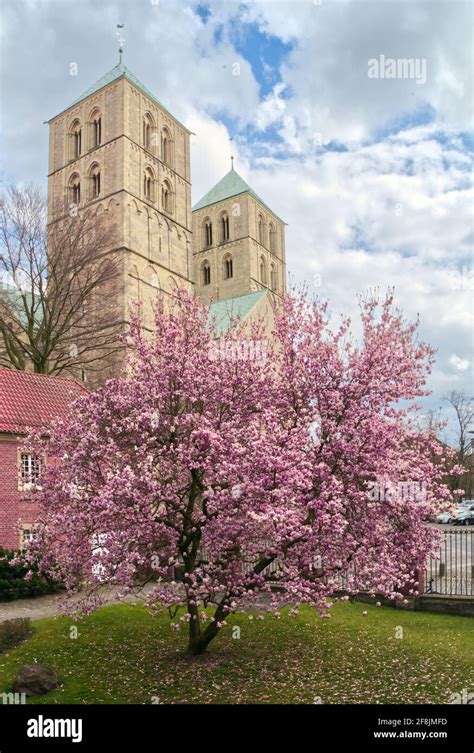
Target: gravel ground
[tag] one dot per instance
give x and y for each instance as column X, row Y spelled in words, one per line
column 50, row 606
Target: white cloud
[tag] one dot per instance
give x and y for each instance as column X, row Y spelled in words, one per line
column 270, row 109
column 461, row 364
column 345, row 227
column 334, row 42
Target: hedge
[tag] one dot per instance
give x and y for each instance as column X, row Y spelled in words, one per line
column 12, row 582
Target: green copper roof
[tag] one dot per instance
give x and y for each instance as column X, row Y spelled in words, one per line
column 230, row 185
column 120, row 71
column 233, row 308
column 11, row 296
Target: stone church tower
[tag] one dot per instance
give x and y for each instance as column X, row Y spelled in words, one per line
column 239, row 243
column 118, row 151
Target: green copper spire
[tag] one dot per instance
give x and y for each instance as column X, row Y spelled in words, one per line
column 114, row 74
column 230, row 185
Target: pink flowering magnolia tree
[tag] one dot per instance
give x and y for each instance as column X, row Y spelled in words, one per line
column 232, row 475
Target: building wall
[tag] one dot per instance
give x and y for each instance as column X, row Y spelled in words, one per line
column 244, row 245
column 12, row 506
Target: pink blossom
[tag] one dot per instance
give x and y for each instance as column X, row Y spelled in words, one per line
column 307, row 438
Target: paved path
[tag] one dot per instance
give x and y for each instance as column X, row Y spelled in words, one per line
column 50, row 606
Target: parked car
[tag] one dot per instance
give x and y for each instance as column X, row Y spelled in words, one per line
column 452, row 516
column 459, row 512
column 444, row 517
column 464, row 518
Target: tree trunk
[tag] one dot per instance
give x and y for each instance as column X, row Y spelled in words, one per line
column 194, row 631
column 200, row 640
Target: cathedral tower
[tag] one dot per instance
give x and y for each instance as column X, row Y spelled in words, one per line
column 239, row 242
column 117, row 150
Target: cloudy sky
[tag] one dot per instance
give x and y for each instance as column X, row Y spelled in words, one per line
column 371, row 173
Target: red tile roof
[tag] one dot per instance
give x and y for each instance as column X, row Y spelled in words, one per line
column 32, row 400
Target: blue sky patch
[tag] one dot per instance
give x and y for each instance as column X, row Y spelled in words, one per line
column 265, row 53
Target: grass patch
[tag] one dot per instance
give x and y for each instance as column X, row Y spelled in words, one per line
column 123, row 655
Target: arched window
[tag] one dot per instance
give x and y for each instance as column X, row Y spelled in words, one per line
column 263, row 270
column 207, row 233
column 148, row 131
column 261, row 230
column 224, row 227
column 75, row 140
column 149, row 184
column 272, row 237
column 228, row 267
column 94, row 181
column 273, row 277
column 74, row 189
column 167, row 197
column 166, row 146
column 206, row 273
column 95, row 129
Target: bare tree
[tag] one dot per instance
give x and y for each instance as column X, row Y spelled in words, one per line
column 463, row 406
column 58, row 289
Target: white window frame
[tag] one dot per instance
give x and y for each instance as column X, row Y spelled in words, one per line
column 29, row 475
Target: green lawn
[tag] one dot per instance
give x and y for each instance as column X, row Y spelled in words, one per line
column 123, row 655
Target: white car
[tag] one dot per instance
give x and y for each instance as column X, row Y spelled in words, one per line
column 459, row 514
column 451, row 516
column 464, row 518
column 444, row 517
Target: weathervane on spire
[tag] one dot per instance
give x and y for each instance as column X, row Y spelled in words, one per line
column 121, row 40
column 231, row 152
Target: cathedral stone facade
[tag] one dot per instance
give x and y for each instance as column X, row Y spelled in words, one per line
column 238, row 242
column 118, row 152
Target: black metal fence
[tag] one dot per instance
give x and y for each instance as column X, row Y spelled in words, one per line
column 453, row 573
